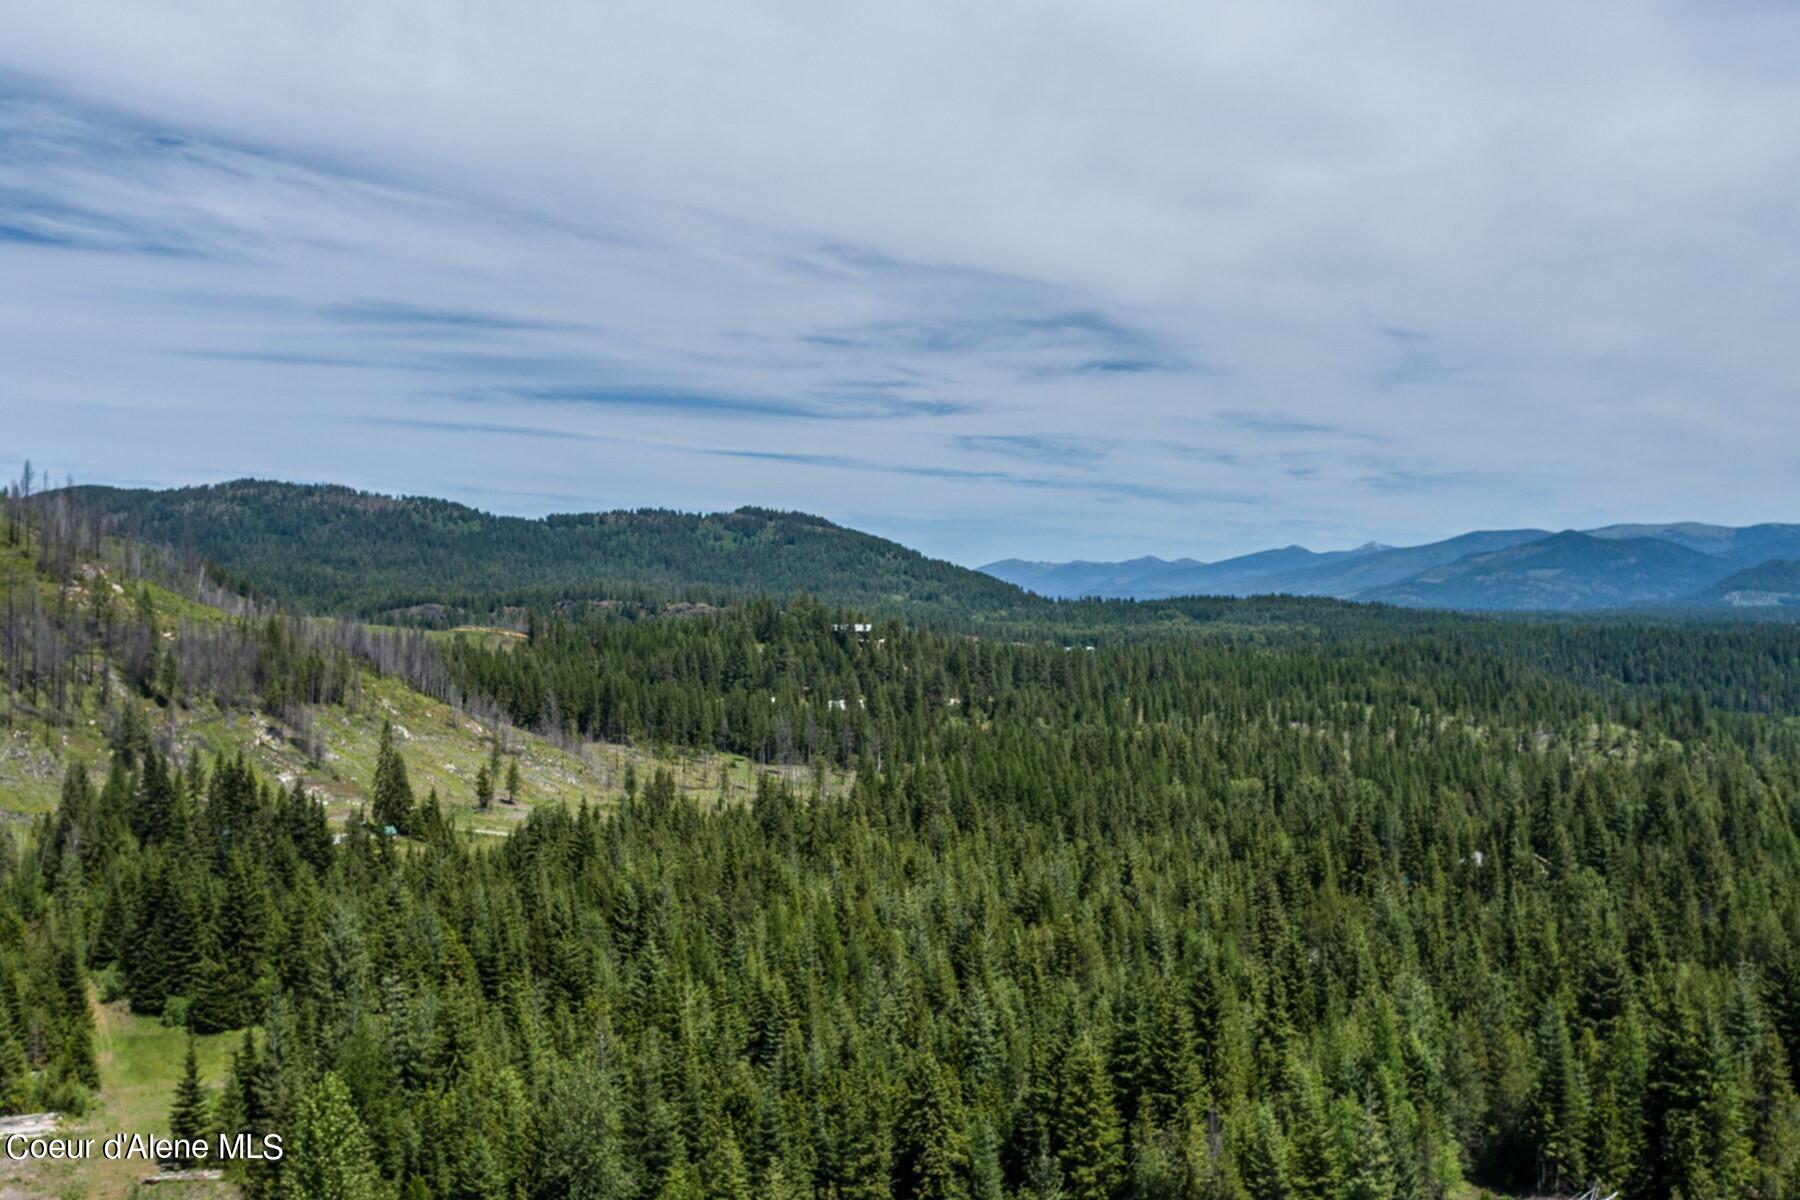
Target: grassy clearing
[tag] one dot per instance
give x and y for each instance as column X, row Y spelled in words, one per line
column 140, row 1063
column 32, row 758
column 443, row 749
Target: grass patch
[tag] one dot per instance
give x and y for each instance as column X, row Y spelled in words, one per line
column 443, row 748
column 140, row 1063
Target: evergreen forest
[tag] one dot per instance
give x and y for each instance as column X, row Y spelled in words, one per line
column 1295, row 900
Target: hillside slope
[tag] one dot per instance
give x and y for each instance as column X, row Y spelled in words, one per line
column 1348, row 578
column 1565, row 571
column 1152, row 578
column 332, row 549
column 1744, row 546
column 1290, row 570
column 1774, row 584
column 327, row 746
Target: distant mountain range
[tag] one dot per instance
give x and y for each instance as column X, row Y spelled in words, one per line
column 1684, row 564
column 421, row 560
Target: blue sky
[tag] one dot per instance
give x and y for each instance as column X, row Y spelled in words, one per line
column 1047, row 280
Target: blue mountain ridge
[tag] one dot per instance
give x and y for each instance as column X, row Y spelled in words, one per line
column 1679, row 564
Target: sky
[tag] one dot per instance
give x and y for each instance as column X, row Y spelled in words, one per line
column 1042, row 279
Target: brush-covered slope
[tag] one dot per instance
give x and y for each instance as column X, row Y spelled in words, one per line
column 1744, row 546
column 1154, row 578
column 1774, row 584
column 333, row 549
column 1565, row 571
column 1351, row 577
column 116, row 659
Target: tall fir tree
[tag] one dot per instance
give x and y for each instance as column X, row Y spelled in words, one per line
column 1559, row 1105
column 189, row 1124
column 1087, row 1132
column 931, row 1151
column 391, row 797
column 327, row 1155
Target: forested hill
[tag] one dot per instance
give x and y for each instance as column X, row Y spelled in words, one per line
column 333, row 549
column 1419, row 906
column 414, row 560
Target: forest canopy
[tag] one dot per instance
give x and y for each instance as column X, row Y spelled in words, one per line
column 1381, row 909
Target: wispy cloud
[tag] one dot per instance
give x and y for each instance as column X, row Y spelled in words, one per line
column 477, row 429
column 1276, row 423
column 398, row 315
column 1415, row 482
column 828, row 405
column 1033, row 447
column 1007, row 479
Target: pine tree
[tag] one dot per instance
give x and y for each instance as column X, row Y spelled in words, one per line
column 581, row 1144
column 1364, row 1144
column 484, row 788
column 76, row 1018
column 931, row 1152
column 512, row 782
column 240, row 1107
column 15, row 1071
column 986, row 1180
column 327, row 1155
column 1558, row 1106
column 188, row 1116
column 391, row 795
column 1695, row 1138
column 153, row 804
column 1314, row 1167
column 782, row 1182
column 868, row 1158
column 217, row 998
column 1086, row 1129
column 681, row 1183
column 723, row 1175
column 1262, row 1162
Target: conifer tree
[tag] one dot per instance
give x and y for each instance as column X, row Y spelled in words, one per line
column 1364, row 1144
column 1314, row 1166
column 1086, row 1128
column 327, row 1155
column 931, row 1152
column 868, row 1157
column 76, row 1018
column 218, row 996
column 188, row 1116
column 581, row 1143
column 1559, row 1106
column 1262, row 1162
column 15, row 1071
column 391, row 798
column 723, row 1175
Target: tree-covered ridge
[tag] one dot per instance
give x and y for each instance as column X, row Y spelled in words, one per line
column 799, row 682
column 331, row 549
column 1774, row 584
